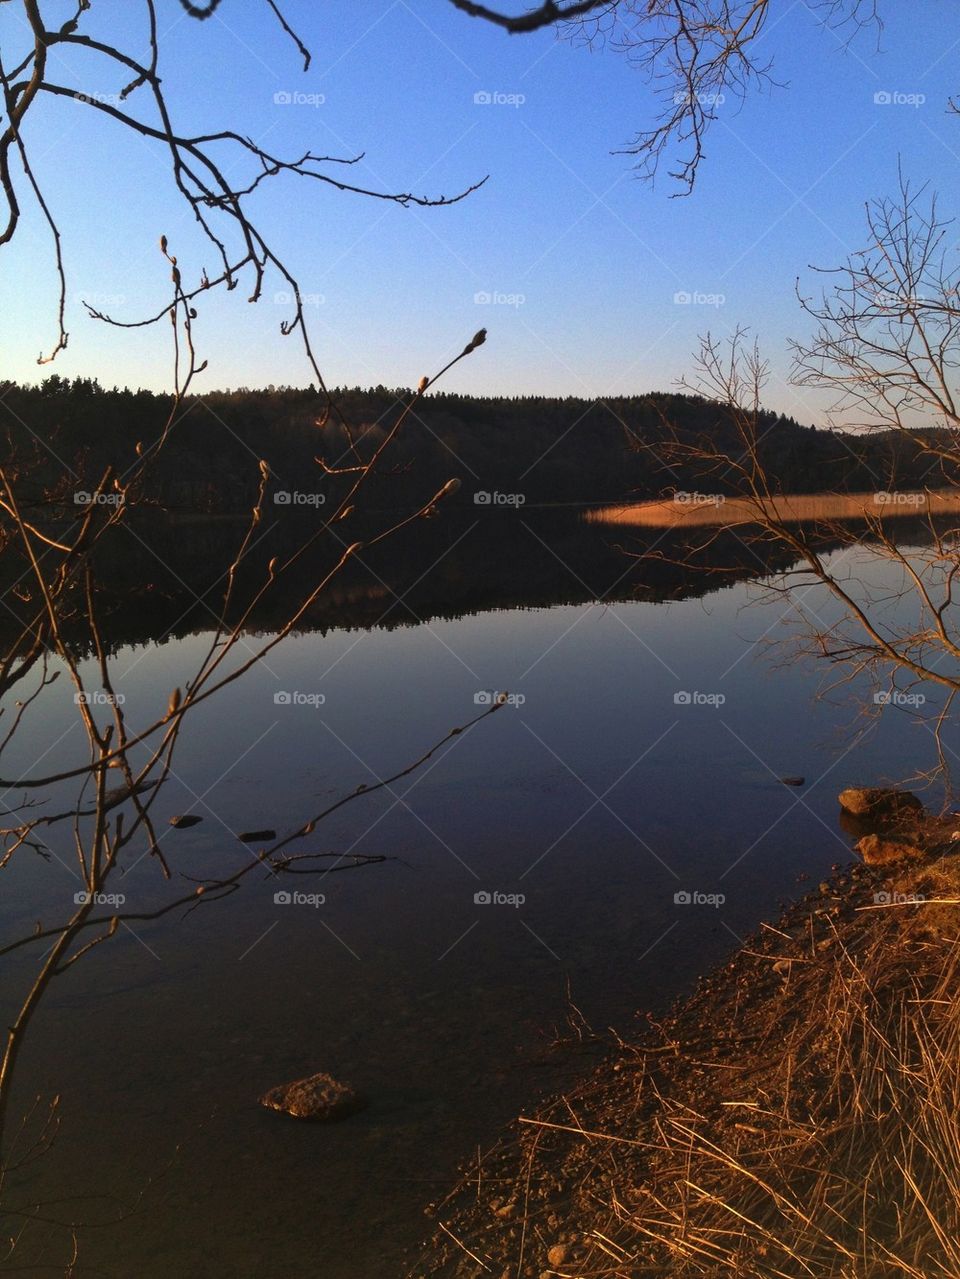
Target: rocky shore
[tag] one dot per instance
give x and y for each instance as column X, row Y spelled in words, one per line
column 797, row 1115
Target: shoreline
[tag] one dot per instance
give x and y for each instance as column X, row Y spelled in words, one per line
column 782, row 1119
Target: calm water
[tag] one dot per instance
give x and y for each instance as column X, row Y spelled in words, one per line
column 597, row 798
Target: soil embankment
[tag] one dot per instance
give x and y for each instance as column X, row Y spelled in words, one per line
column 796, row 1116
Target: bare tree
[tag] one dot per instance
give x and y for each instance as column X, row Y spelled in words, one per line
column 59, row 589
column 886, row 349
column 698, row 54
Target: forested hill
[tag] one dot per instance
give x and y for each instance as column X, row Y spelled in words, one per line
column 61, row 435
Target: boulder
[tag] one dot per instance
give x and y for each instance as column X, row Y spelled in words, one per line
column 879, row 802
column 319, row 1097
column 877, row 852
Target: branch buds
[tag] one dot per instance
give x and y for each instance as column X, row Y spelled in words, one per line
column 478, row 339
column 423, row 384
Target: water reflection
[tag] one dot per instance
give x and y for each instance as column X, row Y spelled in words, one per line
column 600, row 799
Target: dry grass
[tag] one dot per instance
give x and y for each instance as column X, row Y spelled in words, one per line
column 798, row 1117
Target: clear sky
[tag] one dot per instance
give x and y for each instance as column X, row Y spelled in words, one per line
column 583, row 257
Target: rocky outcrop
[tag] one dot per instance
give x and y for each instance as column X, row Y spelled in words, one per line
column 877, row 851
column 879, row 802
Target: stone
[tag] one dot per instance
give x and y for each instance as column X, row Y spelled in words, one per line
column 878, row 801
column 878, row 852
column 318, row 1097
column 183, row 821
column 793, row 781
column 256, row 836
column 557, row 1255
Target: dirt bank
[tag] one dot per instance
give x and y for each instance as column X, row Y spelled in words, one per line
column 796, row 1116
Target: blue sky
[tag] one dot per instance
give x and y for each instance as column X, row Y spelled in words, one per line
column 583, row 257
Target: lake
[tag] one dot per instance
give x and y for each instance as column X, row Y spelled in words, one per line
column 615, row 829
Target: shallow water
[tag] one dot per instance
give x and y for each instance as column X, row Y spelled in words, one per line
column 597, row 797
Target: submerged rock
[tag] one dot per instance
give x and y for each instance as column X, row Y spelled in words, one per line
column 318, row 1097
column 877, row 852
column 119, row 793
column 793, row 781
column 878, row 801
column 255, row 836
column 184, row 820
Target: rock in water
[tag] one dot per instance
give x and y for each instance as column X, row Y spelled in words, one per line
column 878, row 801
column 185, row 820
column 793, row 781
column 318, row 1097
column 256, row 836
column 877, row 852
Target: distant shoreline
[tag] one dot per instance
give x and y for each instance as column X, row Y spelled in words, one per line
column 694, row 509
